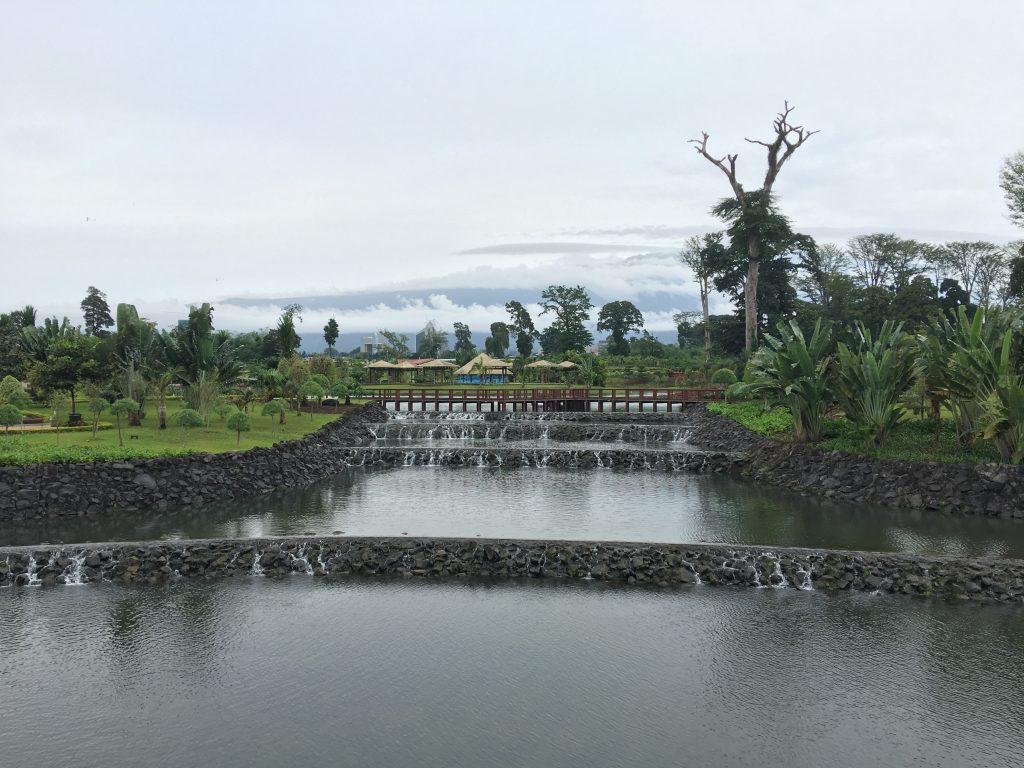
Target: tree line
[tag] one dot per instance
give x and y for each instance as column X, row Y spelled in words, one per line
column 122, row 363
column 773, row 272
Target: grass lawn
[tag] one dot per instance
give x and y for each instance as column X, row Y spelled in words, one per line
column 913, row 440
column 148, row 440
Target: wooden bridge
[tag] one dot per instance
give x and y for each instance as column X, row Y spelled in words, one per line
column 546, row 399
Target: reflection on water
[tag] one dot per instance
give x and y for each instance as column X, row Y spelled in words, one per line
column 296, row 671
column 551, row 503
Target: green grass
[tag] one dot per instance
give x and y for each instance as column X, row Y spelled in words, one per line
column 776, row 422
column 913, row 440
column 148, row 440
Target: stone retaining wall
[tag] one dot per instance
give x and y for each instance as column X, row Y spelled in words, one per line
column 982, row 580
column 47, row 490
column 972, row 489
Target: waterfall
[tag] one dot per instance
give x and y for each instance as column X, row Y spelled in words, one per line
column 33, row 572
column 805, row 580
column 73, row 572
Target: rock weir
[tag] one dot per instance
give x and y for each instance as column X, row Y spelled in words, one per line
column 630, row 563
column 629, row 458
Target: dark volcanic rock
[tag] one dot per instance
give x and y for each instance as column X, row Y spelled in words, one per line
column 983, row 580
column 995, row 490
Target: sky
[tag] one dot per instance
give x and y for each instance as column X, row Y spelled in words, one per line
column 243, row 153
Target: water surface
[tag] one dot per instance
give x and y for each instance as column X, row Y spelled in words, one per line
column 609, row 504
column 255, row 672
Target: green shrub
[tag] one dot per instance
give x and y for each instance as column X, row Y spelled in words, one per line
column 753, row 416
column 239, row 422
column 23, row 451
column 723, row 376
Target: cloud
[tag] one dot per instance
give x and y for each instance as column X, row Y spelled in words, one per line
column 523, row 249
column 655, row 281
column 839, row 234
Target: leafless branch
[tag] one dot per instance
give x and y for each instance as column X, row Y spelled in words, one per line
column 726, row 164
column 787, row 138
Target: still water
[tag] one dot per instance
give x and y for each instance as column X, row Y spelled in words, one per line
column 610, row 504
column 257, row 672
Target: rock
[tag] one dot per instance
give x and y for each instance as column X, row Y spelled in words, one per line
column 146, row 481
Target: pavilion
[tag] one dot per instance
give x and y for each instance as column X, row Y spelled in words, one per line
column 484, row 369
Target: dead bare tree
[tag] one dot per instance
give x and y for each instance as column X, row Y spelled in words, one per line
column 788, row 138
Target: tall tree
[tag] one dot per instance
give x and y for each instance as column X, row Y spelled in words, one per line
column 96, row 312
column 200, row 359
column 497, row 343
column 571, row 307
column 26, row 316
column 781, row 249
column 431, row 341
column 331, row 335
column 521, row 327
column 821, row 270
column 619, row 318
column 700, row 253
column 70, row 362
column 395, row 344
column 287, row 336
column 134, row 349
column 1011, row 181
column 464, row 348
column 1014, row 288
column 976, row 265
column 751, row 209
column 884, row 260
column 13, row 359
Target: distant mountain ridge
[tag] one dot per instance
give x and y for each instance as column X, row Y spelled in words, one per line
column 660, row 301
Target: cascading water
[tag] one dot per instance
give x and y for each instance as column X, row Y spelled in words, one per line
column 521, row 430
column 257, row 567
column 73, row 572
column 32, row 574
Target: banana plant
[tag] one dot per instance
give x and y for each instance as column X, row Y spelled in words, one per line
column 792, row 371
column 872, row 376
column 964, row 361
column 1001, row 413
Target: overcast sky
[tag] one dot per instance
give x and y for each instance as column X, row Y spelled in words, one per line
column 176, row 152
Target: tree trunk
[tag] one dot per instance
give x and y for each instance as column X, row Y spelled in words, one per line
column 707, row 330
column 163, row 416
column 750, row 290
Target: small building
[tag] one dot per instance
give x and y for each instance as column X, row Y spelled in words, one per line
column 370, row 346
column 382, row 368
column 484, row 369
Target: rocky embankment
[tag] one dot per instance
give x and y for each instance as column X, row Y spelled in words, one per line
column 46, row 490
column 982, row 580
column 973, row 489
